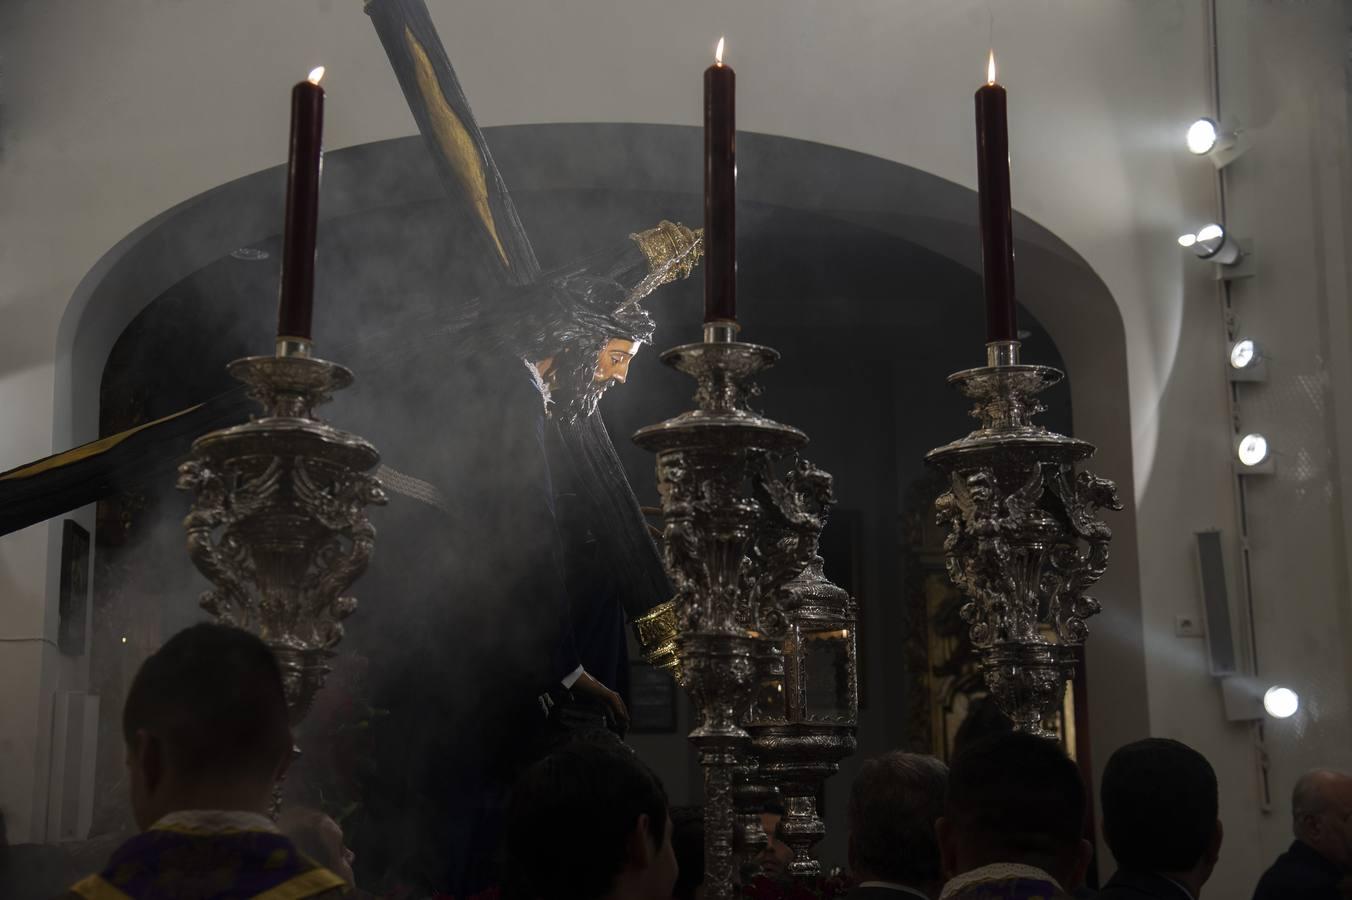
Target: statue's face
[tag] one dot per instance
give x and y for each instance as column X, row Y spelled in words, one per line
column 613, row 363
column 579, row 385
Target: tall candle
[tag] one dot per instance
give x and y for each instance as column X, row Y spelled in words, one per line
column 997, row 234
column 302, row 209
column 720, row 191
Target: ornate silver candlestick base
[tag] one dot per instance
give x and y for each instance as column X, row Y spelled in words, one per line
column 722, row 496
column 1024, row 540
column 279, row 524
column 797, row 758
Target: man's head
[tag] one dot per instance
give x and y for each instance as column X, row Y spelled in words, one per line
column 1321, row 814
column 205, row 724
column 894, row 802
column 318, row 837
column 1160, row 803
column 687, row 841
column 775, row 856
column 615, row 836
column 1015, row 798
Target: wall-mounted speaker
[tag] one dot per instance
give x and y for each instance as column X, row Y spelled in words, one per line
column 1220, row 632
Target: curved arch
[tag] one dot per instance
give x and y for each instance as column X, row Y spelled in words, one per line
column 1058, row 287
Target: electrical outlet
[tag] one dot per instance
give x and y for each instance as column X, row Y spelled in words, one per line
column 1188, row 627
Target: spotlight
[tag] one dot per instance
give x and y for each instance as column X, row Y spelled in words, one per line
column 1246, row 699
column 1222, row 145
column 1243, row 353
column 1253, row 453
column 1212, row 244
column 1246, row 361
column 1281, row 702
column 1211, row 232
column 1202, row 136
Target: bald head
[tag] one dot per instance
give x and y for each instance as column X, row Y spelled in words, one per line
column 1321, row 814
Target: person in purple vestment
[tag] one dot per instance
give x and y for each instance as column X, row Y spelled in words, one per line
column 207, row 739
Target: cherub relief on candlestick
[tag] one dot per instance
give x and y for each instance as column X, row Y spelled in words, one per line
column 225, row 560
column 343, row 555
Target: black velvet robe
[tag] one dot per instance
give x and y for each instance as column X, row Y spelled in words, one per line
column 464, row 621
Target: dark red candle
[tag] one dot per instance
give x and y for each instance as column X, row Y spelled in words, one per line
column 302, row 209
column 997, row 233
column 720, row 191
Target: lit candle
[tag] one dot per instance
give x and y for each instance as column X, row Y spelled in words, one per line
column 720, row 191
column 997, row 236
column 302, row 209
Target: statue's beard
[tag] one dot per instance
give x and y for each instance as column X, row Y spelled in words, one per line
column 578, row 404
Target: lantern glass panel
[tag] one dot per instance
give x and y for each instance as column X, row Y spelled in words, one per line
column 825, row 667
column 769, row 702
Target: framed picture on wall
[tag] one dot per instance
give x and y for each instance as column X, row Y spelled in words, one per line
column 72, row 604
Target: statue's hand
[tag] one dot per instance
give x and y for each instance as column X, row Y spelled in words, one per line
column 589, row 685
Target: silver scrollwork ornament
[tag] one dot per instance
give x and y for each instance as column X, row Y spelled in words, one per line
column 1024, row 539
column 278, row 523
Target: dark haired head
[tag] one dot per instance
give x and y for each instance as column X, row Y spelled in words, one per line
column 687, row 840
column 211, row 703
column 563, row 312
column 1015, row 798
column 1160, row 803
column 597, row 792
column 569, row 318
column 894, row 802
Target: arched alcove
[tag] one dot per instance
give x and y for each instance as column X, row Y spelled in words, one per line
column 861, row 271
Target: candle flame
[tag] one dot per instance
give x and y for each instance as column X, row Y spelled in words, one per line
column 315, row 75
column 718, row 53
column 990, row 69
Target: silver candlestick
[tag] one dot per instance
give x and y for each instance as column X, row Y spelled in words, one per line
column 733, row 507
column 1025, row 541
column 278, row 523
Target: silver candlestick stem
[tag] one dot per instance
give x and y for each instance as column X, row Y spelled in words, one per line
column 1025, row 541
column 278, row 523
column 730, row 544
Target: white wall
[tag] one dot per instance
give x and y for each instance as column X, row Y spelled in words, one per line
column 113, row 112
